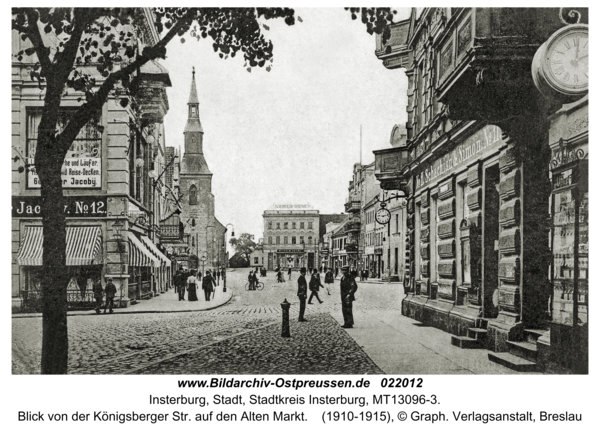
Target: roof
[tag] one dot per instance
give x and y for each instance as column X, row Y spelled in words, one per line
column 193, row 93
column 193, row 125
column 324, row 219
column 290, row 207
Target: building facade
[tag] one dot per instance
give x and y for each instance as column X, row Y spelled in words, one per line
column 291, row 236
column 476, row 171
column 112, row 186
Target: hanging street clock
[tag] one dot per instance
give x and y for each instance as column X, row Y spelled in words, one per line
column 560, row 65
column 383, row 215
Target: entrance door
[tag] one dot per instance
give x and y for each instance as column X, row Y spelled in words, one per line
column 270, row 261
column 490, row 242
column 311, row 260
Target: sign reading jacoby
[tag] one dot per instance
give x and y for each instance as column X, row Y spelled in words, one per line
column 76, row 173
column 75, row 206
column 472, row 147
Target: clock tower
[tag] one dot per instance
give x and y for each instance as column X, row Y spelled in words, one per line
column 195, row 180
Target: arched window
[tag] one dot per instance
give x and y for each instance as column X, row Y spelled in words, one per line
column 193, row 197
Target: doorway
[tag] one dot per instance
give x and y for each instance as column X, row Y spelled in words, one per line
column 490, row 259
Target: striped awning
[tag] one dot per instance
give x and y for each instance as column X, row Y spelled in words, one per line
column 155, row 251
column 84, row 246
column 139, row 255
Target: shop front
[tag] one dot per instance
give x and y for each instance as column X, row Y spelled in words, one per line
column 84, row 263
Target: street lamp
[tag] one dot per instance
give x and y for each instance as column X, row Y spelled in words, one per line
column 203, row 259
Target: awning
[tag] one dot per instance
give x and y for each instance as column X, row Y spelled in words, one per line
column 139, row 255
column 84, row 246
column 155, row 251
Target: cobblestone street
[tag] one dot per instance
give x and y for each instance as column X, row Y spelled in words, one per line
column 246, row 332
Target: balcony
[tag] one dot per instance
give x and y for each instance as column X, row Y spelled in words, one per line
column 389, row 164
column 352, row 206
column 352, row 247
column 352, row 226
column 170, row 233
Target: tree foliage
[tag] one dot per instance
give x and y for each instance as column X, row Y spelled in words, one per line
column 243, row 245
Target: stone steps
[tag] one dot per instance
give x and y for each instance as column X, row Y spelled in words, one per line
column 513, row 362
column 465, row 342
column 526, row 350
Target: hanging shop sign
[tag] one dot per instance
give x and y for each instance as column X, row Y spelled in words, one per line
column 75, row 206
column 472, row 148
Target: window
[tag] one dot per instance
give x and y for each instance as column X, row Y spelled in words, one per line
column 310, row 225
column 293, row 225
column 301, row 225
column 301, row 239
column 277, row 239
column 270, row 239
column 255, row 258
column 285, row 240
column 309, row 240
column 285, row 225
column 193, row 197
column 193, row 111
column 193, row 242
column 397, row 229
column 87, row 143
column 293, row 239
column 270, row 225
column 278, row 225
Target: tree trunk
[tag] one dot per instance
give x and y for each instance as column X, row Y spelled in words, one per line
column 55, row 343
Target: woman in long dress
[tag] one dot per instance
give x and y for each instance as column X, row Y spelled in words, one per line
column 192, row 283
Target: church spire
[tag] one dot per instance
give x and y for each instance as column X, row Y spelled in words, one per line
column 193, row 93
column 193, row 123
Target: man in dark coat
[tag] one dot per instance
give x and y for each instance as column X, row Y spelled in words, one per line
column 208, row 283
column 111, row 291
column 180, row 281
column 347, row 289
column 302, row 292
column 98, row 295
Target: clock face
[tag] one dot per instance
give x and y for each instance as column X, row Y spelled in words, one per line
column 567, row 60
column 382, row 216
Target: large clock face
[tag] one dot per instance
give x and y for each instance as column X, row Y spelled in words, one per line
column 567, row 60
column 382, row 216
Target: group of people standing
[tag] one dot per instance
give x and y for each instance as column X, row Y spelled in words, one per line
column 347, row 289
column 185, row 280
column 110, row 290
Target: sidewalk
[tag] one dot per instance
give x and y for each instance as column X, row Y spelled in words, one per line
column 164, row 303
column 400, row 345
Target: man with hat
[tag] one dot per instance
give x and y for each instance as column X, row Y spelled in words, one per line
column 111, row 291
column 347, row 289
column 302, row 291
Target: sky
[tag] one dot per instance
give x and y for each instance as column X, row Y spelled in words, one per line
column 290, row 135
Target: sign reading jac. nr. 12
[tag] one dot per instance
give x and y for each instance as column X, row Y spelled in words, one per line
column 75, row 206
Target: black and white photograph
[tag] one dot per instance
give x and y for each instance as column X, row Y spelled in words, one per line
column 228, row 193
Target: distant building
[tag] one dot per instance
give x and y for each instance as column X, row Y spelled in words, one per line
column 291, row 236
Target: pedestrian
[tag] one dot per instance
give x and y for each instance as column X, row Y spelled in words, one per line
column 208, row 284
column 328, row 280
column 97, row 287
column 251, row 281
column 218, row 276
column 279, row 277
column 336, row 272
column 111, row 291
column 302, row 291
column 191, row 286
column 289, row 273
column 314, row 284
column 347, row 289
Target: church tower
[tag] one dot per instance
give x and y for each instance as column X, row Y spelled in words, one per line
column 195, row 181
